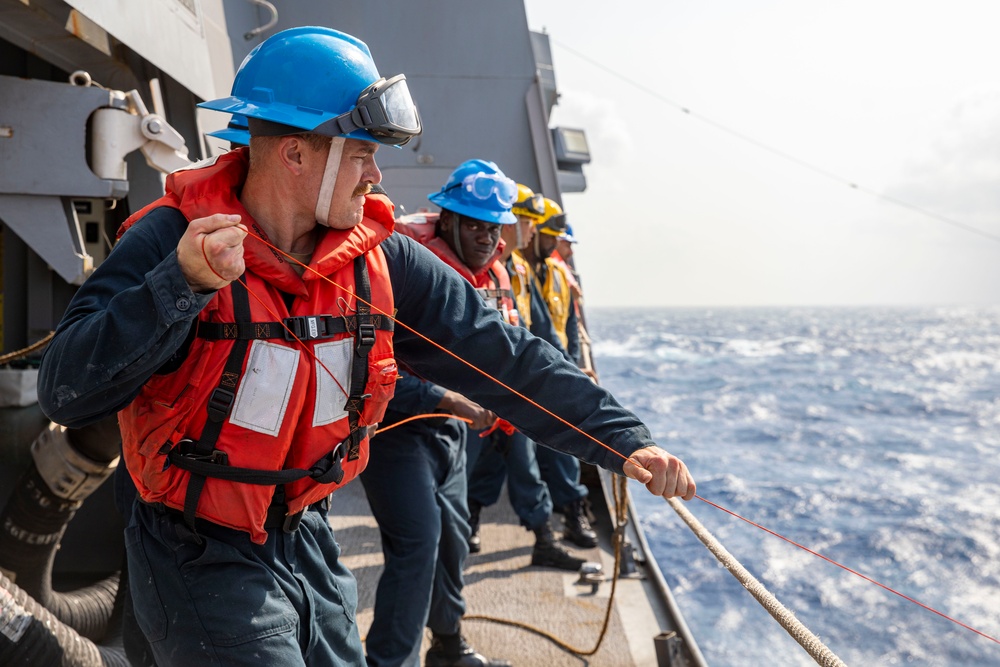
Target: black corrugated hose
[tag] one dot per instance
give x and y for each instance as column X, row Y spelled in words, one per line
column 40, row 626
column 33, row 522
column 31, row 636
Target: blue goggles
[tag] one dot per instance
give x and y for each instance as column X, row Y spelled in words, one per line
column 482, row 186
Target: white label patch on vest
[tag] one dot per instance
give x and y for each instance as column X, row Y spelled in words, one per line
column 265, row 387
column 330, row 396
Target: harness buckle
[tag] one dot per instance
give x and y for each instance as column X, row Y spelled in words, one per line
column 217, row 456
column 329, row 468
column 220, row 403
column 306, row 327
column 186, row 449
column 366, row 335
column 292, row 522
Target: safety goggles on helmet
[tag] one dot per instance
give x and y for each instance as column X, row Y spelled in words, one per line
column 385, row 109
column 531, row 206
column 555, row 225
column 482, row 186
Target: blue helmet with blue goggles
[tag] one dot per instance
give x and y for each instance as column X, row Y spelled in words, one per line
column 478, row 189
column 315, row 79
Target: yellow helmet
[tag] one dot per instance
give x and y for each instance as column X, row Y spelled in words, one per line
column 528, row 203
column 553, row 221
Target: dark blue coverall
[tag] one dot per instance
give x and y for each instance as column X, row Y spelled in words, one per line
column 416, row 485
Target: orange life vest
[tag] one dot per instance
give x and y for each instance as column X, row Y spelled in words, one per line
column 251, row 407
column 492, row 282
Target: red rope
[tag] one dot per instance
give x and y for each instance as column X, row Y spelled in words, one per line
column 276, row 317
column 426, row 416
column 844, row 567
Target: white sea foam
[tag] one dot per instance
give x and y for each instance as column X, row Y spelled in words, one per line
column 869, row 435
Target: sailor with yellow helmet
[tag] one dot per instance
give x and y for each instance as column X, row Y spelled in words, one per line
column 552, row 280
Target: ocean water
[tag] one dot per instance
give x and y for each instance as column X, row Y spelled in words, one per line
column 870, row 435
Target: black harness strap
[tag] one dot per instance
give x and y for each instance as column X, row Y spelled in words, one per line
column 327, row 470
column 220, row 403
column 364, row 340
column 305, row 327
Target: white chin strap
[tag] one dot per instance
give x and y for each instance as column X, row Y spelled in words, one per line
column 325, row 197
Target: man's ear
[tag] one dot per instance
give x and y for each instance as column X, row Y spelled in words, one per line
column 446, row 221
column 291, row 151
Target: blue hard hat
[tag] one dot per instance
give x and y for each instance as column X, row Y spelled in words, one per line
column 568, row 234
column 478, row 189
column 237, row 132
column 316, row 79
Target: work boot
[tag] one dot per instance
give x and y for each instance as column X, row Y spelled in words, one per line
column 454, row 651
column 578, row 530
column 475, row 544
column 549, row 554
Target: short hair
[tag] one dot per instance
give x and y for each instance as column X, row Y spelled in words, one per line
column 262, row 144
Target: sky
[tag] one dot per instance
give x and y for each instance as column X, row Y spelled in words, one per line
column 898, row 97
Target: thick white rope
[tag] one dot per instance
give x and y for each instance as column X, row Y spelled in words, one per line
column 793, row 626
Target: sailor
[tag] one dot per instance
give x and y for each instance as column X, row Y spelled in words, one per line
column 416, row 475
column 510, row 454
column 563, row 255
column 246, row 392
column 552, row 280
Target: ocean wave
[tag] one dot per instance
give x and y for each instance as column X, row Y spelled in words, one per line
column 868, row 435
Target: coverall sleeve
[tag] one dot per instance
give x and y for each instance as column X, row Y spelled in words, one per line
column 414, row 396
column 435, row 303
column 126, row 321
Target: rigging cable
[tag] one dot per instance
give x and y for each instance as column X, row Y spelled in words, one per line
column 780, row 153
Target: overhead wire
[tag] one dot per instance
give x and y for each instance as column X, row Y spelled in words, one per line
column 788, row 157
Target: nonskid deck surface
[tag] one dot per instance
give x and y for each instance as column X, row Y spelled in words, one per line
column 501, row 582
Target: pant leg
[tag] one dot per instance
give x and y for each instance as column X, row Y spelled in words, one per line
column 561, row 472
column 447, row 604
column 529, row 495
column 401, row 484
column 137, row 649
column 487, row 474
column 229, row 602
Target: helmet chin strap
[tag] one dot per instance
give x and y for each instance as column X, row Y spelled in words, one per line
column 325, row 197
column 518, row 236
column 456, row 238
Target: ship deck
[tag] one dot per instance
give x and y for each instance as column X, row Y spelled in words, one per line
column 500, row 582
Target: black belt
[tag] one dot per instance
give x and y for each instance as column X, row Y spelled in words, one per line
column 277, row 515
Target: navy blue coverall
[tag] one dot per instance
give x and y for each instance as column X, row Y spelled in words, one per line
column 416, row 486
